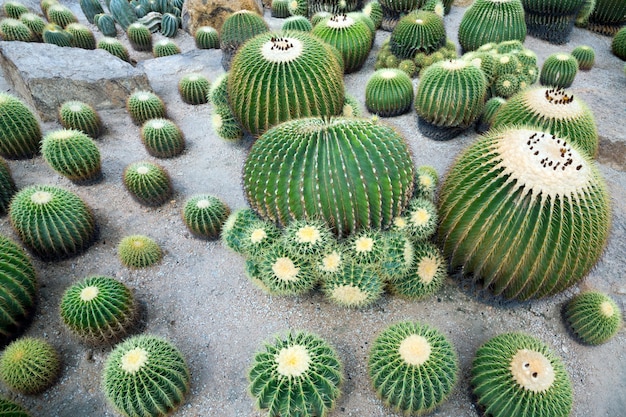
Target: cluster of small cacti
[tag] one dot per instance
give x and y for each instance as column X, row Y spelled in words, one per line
column 551, row 20
column 417, row 64
column 20, row 134
column 162, row 138
column 237, row 28
column 29, row 365
column 593, row 317
column 491, row 21
column 139, row 251
column 558, row 70
column 73, row 154
column 148, row 183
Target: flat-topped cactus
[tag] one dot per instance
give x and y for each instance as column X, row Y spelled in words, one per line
column 29, row 365
column 148, row 183
column 389, row 92
column 204, row 215
column 418, row 31
column 491, row 21
column 74, row 114
column 162, row 138
column 593, row 316
column 72, row 154
column 145, row 105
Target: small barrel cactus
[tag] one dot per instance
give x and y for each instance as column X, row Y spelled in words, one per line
column 299, row 374
column 91, row 8
column 297, row 23
column 20, row 134
column 426, row 181
column 515, row 375
column 422, row 218
column 146, row 376
column 12, row 409
column 82, row 36
column 618, row 44
column 307, row 237
column 393, row 10
column 413, row 367
column 487, row 117
column 491, row 21
column 53, row 223
column 496, row 235
column 375, row 12
column 280, row 9
column 389, row 92
column 206, row 37
column 194, row 88
column 145, row 105
column 35, row 23
column 14, row 9
column 225, row 125
column 284, row 273
column 98, row 309
column 7, row 186
column 29, row 365
column 427, row 275
column 162, row 138
column 148, row 183
column 398, row 255
column 299, row 7
column 106, row 24
column 45, row 4
column 15, row 30
column 558, row 70
column 365, row 247
column 72, row 154
column 60, row 15
column 114, row 47
column 236, row 229
column 593, row 316
column 204, row 215
column 237, row 28
column 138, row 251
column 418, row 31
column 355, row 286
column 165, row 47
column 551, row 20
column 586, row 57
column 506, row 85
column 139, row 37
column 81, row 116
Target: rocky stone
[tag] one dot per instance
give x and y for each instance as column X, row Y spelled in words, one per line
column 46, row 75
column 212, row 13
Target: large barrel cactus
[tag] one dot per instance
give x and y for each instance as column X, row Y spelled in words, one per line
column 524, row 211
column 352, row 173
column 290, row 74
column 608, row 17
column 492, row 21
column 551, row 20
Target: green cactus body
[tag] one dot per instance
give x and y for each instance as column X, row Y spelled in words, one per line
column 553, row 110
column 398, row 255
column 375, row 12
column 333, row 6
column 29, row 365
column 593, row 317
column 35, row 23
column 145, row 105
column 318, row 17
column 80, row 116
column 72, row 154
column 300, row 23
column 145, row 376
column 139, row 251
column 422, row 219
column 298, row 7
column 307, row 237
column 114, row 47
column 45, row 4
column 492, row 21
column 235, row 229
column 450, row 97
column 236, row 30
column 586, row 56
column 389, row 92
column 507, row 85
column 608, row 17
column 106, row 24
column 162, row 138
column 218, row 91
column 426, row 181
column 122, row 12
column 152, row 20
column 393, row 10
column 367, row 189
column 515, row 375
column 356, row 286
column 409, row 67
column 257, row 238
column 14, row 9
column 413, row 367
column 296, row 75
column 98, row 309
column 139, row 37
column 427, row 275
column 7, row 186
column 204, row 215
column 11, row 409
column 165, row 47
column 82, row 36
column 488, row 115
column 285, row 274
column 419, row 31
column 60, row 15
column 280, row 9
column 525, row 212
column 582, row 18
column 20, row 134
column 351, row 106
column 366, row 247
column 56, row 35
column 194, row 88
column 148, row 183
column 618, row 44
column 206, row 37
column 169, row 25
column 225, row 125
column 299, row 374
column 91, row 8
column 351, row 37
column 506, row 64
column 551, row 20
column 18, row 289
column 15, row 30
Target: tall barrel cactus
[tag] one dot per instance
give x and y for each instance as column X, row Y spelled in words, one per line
column 525, row 212
column 291, row 75
column 352, row 173
column 492, row 21
column 419, row 31
column 20, row 134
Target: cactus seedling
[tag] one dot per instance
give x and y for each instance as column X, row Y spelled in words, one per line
column 12, row 409
column 206, row 37
column 145, row 376
column 427, row 275
column 139, row 37
column 82, row 36
column 148, row 183
column 194, row 88
column 80, row 116
column 145, row 105
column 162, row 138
column 29, row 365
column 515, row 375
column 389, row 92
column 15, row 30
column 593, row 316
column 356, row 286
column 165, row 47
column 72, row 154
column 492, row 21
column 114, row 47
column 299, row 374
column 558, row 70
column 585, row 55
column 204, row 215
column 139, row 251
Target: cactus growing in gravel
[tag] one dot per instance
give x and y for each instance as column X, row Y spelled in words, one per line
column 539, row 220
column 35, row 23
column 162, row 138
column 194, row 88
column 491, row 21
column 515, row 375
column 206, row 37
column 91, row 8
column 356, row 286
column 332, row 192
column 551, row 20
column 60, row 15
column 225, row 125
column 165, row 47
column 106, row 24
column 389, row 92
column 148, row 183
column 299, row 374
column 114, row 47
column 295, row 75
column 145, row 376
column 593, row 316
column 297, row 23
column 413, row 367
column 15, row 30
column 418, row 31
column 145, row 105
column 585, row 55
column 56, row 35
column 20, row 134
column 72, row 154
column 14, row 9
column 236, row 30
column 139, row 37
column 7, row 186
column 558, row 70
column 29, row 365
column 618, row 44
column 554, row 110
column 81, row 116
column 98, row 309
column 139, row 251
column 12, row 409
column 122, row 12
column 204, row 215
column 427, row 275
column 284, row 273
column 608, row 17
column 82, row 36
column 53, row 223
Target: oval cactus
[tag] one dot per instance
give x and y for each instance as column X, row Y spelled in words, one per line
column 145, row 105
column 53, row 223
column 72, row 154
column 114, row 47
column 145, row 376
column 585, row 55
column 148, row 183
column 515, row 375
column 543, row 197
column 15, row 30
column 91, row 8
column 139, row 37
column 60, row 15
column 418, row 31
column 332, row 192
column 20, row 134
column 98, row 309
column 194, row 88
column 81, row 116
column 355, row 286
column 165, row 47
column 162, row 138
column 106, row 24
column 204, row 215
column 138, row 251
column 206, row 37
column 593, row 316
column 491, row 21
column 236, row 30
column 389, row 92
column 29, row 365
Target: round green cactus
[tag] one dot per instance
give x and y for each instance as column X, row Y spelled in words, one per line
column 585, row 55
column 20, row 134
column 72, row 154
column 29, row 365
column 236, row 30
column 389, row 92
column 295, row 75
column 145, row 105
column 351, row 106
column 236, row 229
column 165, row 47
column 53, row 223
column 204, row 215
column 427, row 275
column 225, row 125
column 206, row 37
column 7, row 186
column 421, row 218
column 515, row 375
column 418, row 31
column 82, row 36
column 114, row 47
column 258, row 237
column 139, row 37
column 450, row 97
column 307, row 237
column 148, row 183
column 487, row 117
column 299, row 374
column 298, row 7
column 554, row 110
column 426, row 181
column 593, row 316
column 284, row 273
column 333, row 6
column 145, row 376
column 618, row 44
column 506, row 64
column 139, row 251
column 18, row 289
column 194, row 88
column 366, row 247
column 532, row 226
column 559, row 70
column 488, row 21
column 15, row 30
column 297, row 23
column 98, row 309
column 280, row 9
column 60, row 15
column 14, row 9
column 355, row 286
column 332, row 192
column 398, row 255
column 35, row 23
column 169, row 25
column 413, row 367
column 11, row 409
column 375, row 12
column 506, row 85
column 608, row 17
column 162, row 138
column 551, row 20
column 81, row 116
column 106, row 24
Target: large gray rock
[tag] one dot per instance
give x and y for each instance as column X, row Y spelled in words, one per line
column 46, row 75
